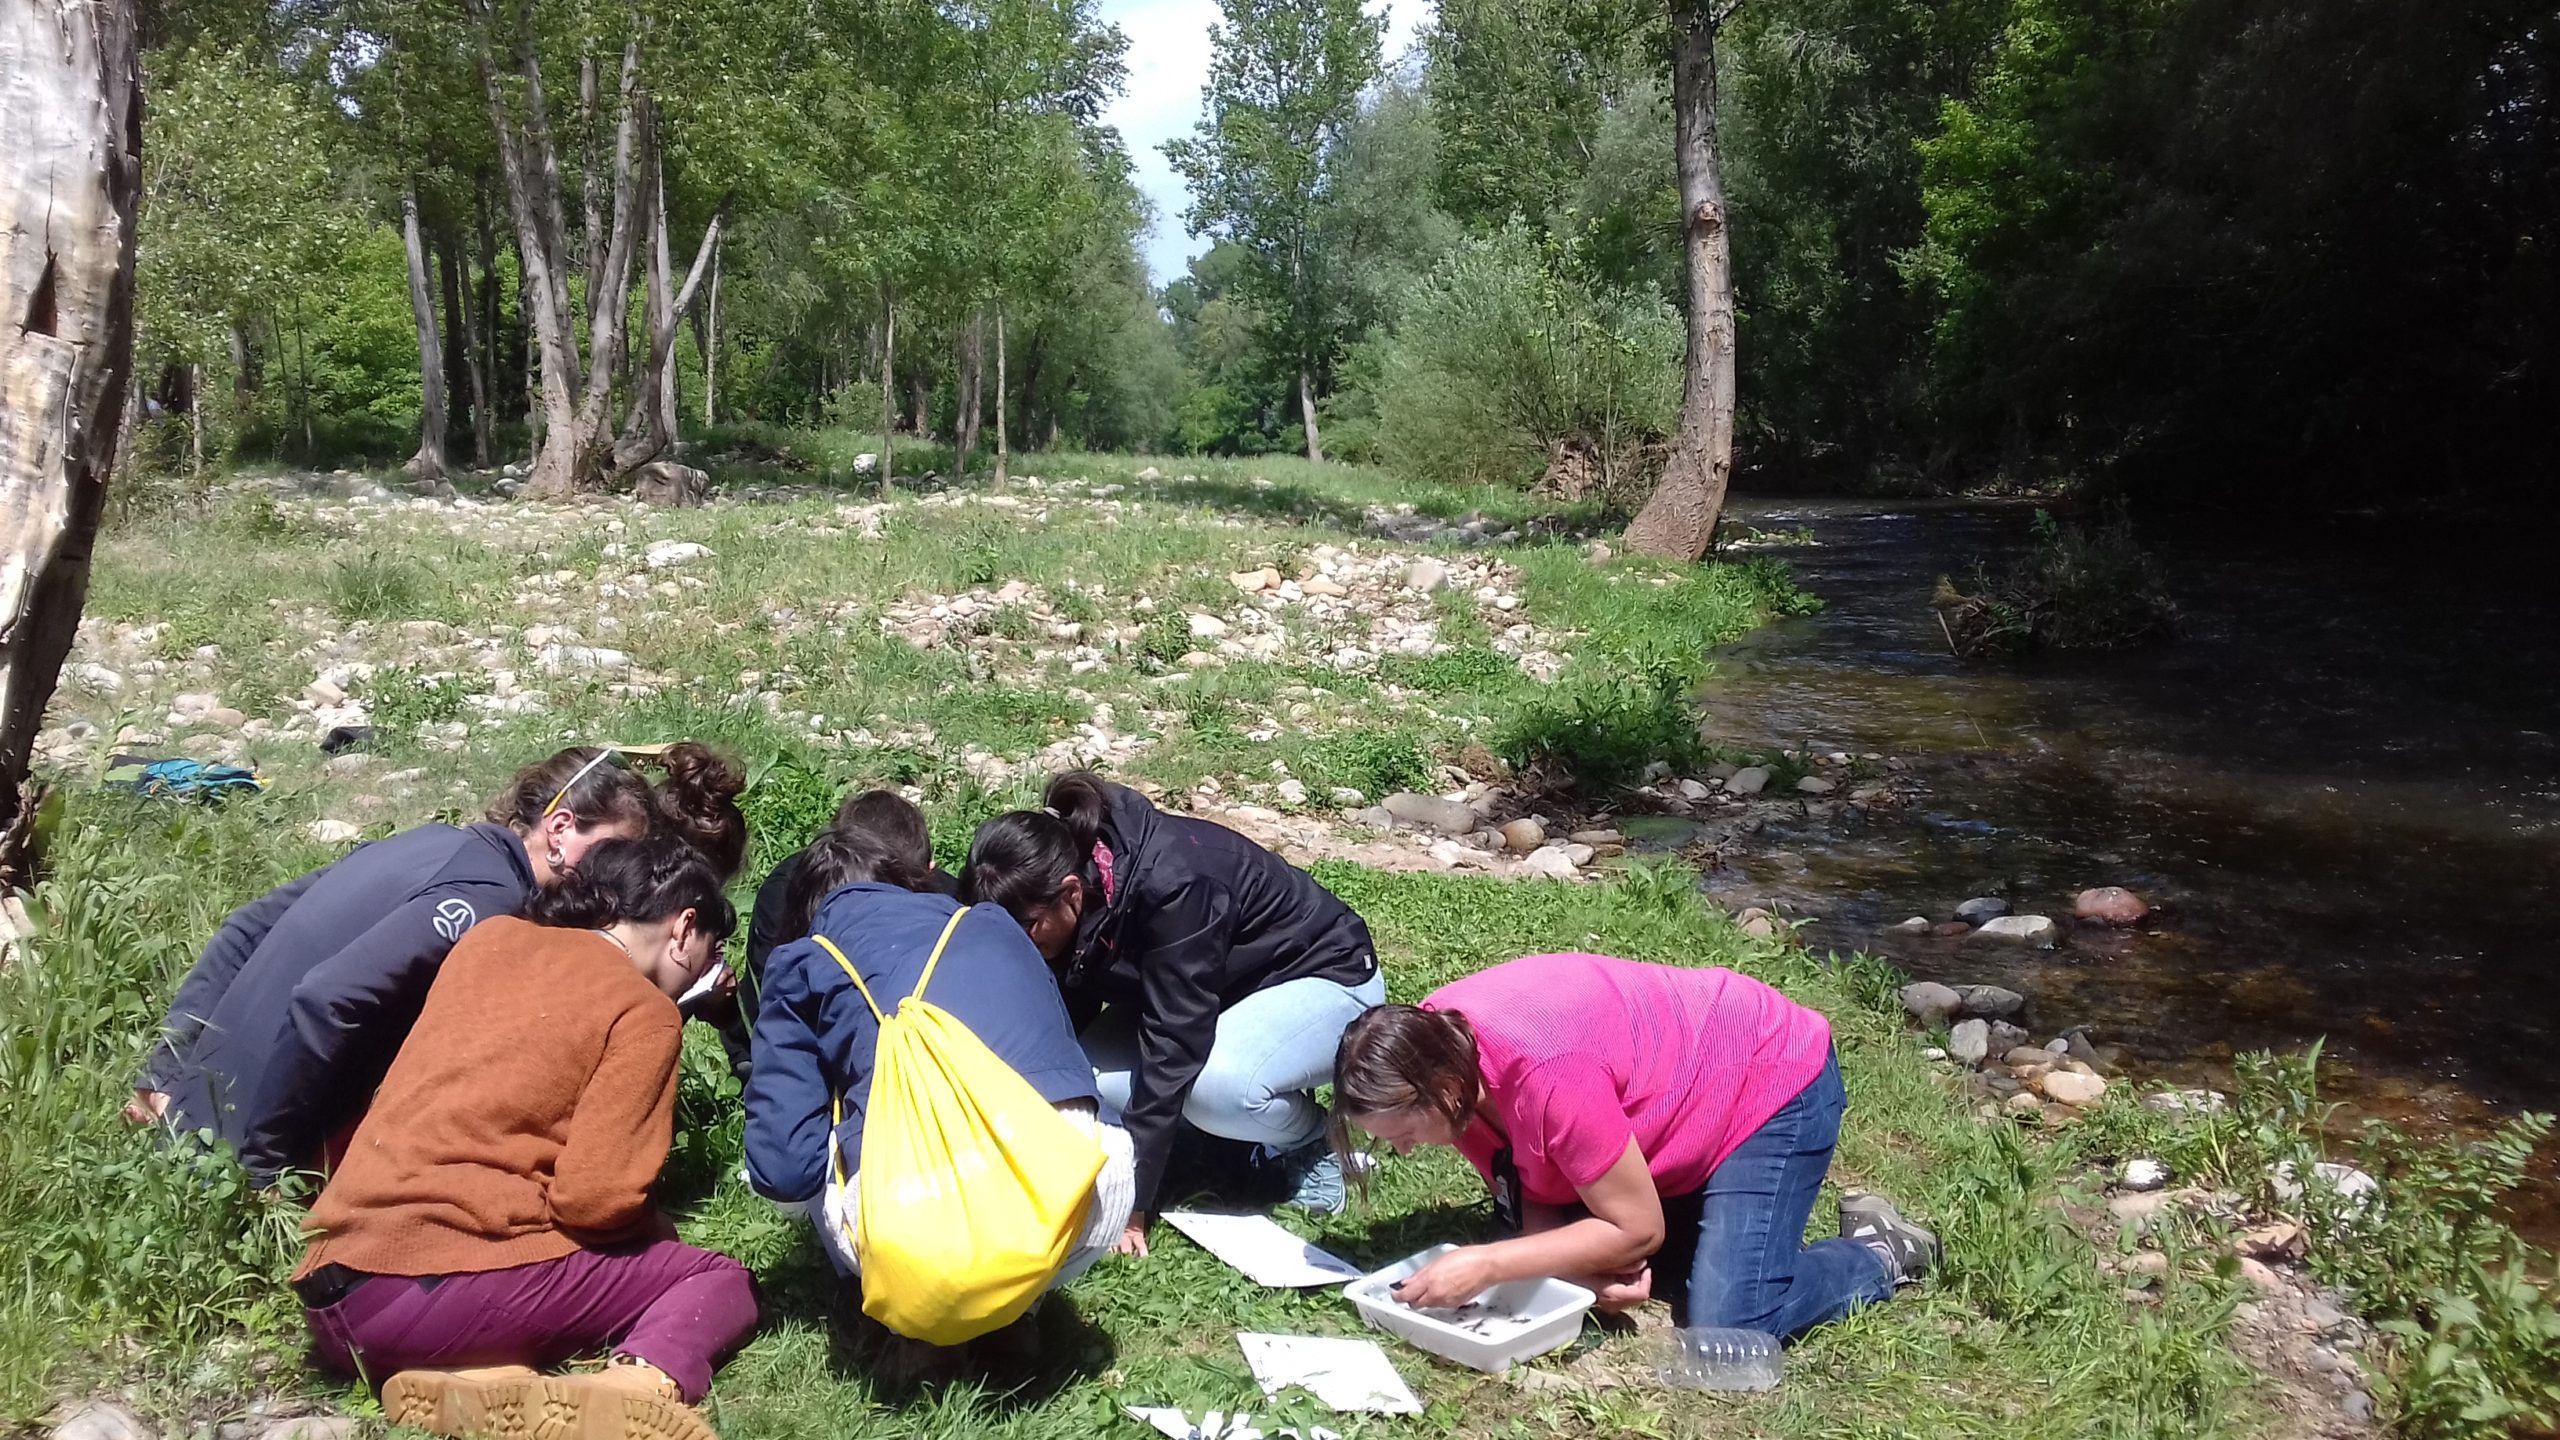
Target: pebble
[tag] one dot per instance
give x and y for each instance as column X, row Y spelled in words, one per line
column 1597, row 837
column 1916, row 925
column 2023, row 1103
column 2261, row 1275
column 1580, row 854
column 1319, row 585
column 2036, row 930
column 1694, row 790
column 1950, row 929
column 1930, row 1003
column 1981, row 908
column 1970, row 1042
column 1932, row 1052
column 2186, row 1102
column 2109, row 905
column 1815, row 785
column 1523, row 835
column 1375, row 817
column 335, row 832
column 1291, row 792
column 2143, row 1175
column 664, row 553
column 2026, row 1055
column 2006, row 1037
column 101, row 1420
column 1750, row 780
column 1150, row 473
column 1207, row 627
column 2356, row 1406
column 1254, row 582
column 1426, row 576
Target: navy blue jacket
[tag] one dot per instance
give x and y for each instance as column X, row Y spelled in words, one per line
column 815, row 1037
column 286, row 1024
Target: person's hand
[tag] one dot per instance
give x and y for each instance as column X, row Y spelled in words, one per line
column 1452, row 1280
column 147, row 1107
column 1624, row 1291
column 1133, row 1238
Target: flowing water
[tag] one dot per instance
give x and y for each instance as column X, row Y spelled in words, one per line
column 2340, row 786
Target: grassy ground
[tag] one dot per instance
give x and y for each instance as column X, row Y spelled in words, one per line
column 796, row 643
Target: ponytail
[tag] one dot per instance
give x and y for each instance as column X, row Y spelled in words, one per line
column 643, row 880
column 1021, row 859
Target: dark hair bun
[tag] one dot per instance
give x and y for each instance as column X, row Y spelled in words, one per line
column 698, row 803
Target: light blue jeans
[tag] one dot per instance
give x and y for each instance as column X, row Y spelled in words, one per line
column 1273, row 1048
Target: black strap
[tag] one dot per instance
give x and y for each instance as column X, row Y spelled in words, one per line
column 328, row 1285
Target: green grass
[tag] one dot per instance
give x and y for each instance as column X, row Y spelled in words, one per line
column 127, row 1263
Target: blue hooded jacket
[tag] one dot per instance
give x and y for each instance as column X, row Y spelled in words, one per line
column 815, row 1038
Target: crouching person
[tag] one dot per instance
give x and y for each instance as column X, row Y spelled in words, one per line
column 493, row 1211
column 817, row 1036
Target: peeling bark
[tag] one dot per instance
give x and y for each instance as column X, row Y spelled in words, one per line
column 70, row 180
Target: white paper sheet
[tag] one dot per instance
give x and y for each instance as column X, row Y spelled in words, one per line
column 1216, row 1425
column 1345, row 1374
column 1262, row 1249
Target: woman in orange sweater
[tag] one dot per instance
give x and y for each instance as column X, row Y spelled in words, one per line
column 494, row 1209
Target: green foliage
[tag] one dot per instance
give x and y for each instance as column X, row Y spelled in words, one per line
column 401, row 699
column 1505, row 358
column 1377, row 763
column 2082, row 586
column 1602, row 730
column 376, row 586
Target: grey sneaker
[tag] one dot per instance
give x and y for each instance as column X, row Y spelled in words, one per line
column 1313, row 1174
column 1908, row 1251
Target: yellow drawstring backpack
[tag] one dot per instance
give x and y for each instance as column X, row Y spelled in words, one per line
column 972, row 1188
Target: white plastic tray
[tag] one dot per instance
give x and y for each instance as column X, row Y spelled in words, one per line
column 1511, row 1322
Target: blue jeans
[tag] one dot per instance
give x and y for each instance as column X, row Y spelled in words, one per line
column 1741, row 1240
column 1273, row 1048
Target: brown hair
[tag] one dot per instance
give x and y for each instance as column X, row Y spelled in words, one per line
column 894, row 821
column 606, row 794
column 697, row 803
column 1403, row 1057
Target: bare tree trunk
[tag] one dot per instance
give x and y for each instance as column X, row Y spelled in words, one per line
column 888, row 385
column 489, row 378
column 302, row 363
column 1004, row 454
column 70, row 180
column 654, row 393
column 244, row 377
column 1030, row 386
column 1679, row 519
column 1307, row 408
column 973, row 380
column 463, row 341
column 920, row 402
column 706, row 338
column 427, row 466
column 195, row 420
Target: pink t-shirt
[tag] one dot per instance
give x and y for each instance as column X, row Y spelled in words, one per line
column 1581, row 1053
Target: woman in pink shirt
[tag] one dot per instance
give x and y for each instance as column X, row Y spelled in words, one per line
column 1643, row 1128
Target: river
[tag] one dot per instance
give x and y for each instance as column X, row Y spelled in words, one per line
column 2340, row 786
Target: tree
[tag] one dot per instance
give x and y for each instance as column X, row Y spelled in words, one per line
column 1678, row 520
column 1284, row 87
column 70, row 181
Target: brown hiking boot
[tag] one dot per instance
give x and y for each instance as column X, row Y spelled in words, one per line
column 621, row 1402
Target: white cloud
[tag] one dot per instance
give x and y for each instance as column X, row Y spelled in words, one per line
column 1168, row 64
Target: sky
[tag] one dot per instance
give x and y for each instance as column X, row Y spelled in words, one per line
column 1168, row 63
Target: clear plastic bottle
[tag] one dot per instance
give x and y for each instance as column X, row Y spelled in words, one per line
column 1707, row 1358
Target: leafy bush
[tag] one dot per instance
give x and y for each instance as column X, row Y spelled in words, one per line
column 2079, row 587
column 1377, row 763
column 374, row 586
column 1507, row 359
column 402, row 699
column 1603, row 730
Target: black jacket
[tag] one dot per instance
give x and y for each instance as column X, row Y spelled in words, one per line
column 286, row 1024
column 1197, row 918
column 773, row 922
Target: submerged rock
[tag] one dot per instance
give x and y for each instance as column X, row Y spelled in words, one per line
column 2037, row 930
column 2109, row 905
column 1991, row 1002
column 1981, row 908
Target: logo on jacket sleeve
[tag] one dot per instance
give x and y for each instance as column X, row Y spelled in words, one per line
column 453, row 917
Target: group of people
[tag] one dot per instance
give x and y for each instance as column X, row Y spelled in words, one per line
column 471, row 1035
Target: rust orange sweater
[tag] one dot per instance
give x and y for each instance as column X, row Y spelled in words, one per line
column 527, row 1115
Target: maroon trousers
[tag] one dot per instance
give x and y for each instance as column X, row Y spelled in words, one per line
column 680, row 1309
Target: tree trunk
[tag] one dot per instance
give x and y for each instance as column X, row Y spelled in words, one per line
column 1679, row 519
column 427, row 466
column 302, row 366
column 195, row 421
column 70, row 180
column 654, row 390
column 1307, row 407
column 1004, row 453
column 1031, row 358
column 244, row 377
column 706, row 338
column 973, row 365
column 888, row 384
column 920, row 403
column 462, row 345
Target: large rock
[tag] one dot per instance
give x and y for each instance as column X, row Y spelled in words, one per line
column 1991, row 1002
column 664, row 482
column 2037, row 930
column 1523, row 835
column 2109, row 905
column 1815, row 785
column 664, row 553
column 1750, row 780
column 2072, row 1088
column 100, row 1420
column 2006, row 1037
column 1931, row 1003
column 1431, row 812
column 1549, row 861
column 1206, row 627
column 1970, row 1042
column 1981, row 908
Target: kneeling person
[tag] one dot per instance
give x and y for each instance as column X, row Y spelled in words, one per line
column 816, row 1036
column 493, row 1209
